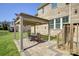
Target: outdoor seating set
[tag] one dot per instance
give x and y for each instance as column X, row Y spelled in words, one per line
column 36, row 37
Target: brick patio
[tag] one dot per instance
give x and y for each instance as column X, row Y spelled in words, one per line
column 32, row 48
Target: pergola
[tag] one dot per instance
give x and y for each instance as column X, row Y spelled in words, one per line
column 25, row 19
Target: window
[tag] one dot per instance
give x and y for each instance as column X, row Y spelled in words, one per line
column 75, row 11
column 41, row 11
column 36, row 14
column 58, row 23
column 65, row 19
column 37, row 27
column 45, row 27
column 54, row 5
column 51, row 23
column 67, row 3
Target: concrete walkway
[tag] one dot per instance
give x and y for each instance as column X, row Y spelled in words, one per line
column 33, row 48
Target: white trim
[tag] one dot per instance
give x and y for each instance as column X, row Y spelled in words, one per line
column 17, row 21
column 61, row 23
column 54, row 23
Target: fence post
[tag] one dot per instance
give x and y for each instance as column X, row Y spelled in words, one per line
column 77, row 40
column 58, row 40
column 64, row 36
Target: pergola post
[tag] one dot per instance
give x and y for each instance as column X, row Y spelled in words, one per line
column 34, row 29
column 21, row 33
column 48, row 32
column 71, row 29
column 14, row 30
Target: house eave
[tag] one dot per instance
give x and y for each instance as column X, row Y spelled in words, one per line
column 42, row 6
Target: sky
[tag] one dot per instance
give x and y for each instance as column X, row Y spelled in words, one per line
column 8, row 10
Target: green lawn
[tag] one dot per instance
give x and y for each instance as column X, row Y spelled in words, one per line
column 7, row 46
column 24, row 35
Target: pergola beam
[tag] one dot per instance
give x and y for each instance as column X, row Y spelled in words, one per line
column 17, row 21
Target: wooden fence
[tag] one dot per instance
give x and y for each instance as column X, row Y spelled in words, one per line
column 69, row 39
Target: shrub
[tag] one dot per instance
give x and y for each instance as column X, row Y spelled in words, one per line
column 1, row 28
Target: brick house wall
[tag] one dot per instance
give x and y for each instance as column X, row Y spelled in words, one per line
column 50, row 13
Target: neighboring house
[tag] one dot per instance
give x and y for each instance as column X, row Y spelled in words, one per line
column 11, row 27
column 57, row 14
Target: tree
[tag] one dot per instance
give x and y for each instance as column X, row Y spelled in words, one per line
column 5, row 25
